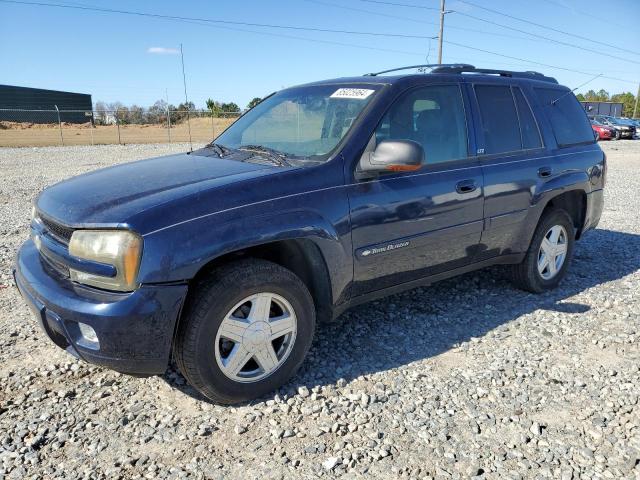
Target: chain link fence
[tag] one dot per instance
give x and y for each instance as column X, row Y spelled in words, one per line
column 33, row 128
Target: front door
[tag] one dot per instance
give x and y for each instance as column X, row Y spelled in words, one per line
column 406, row 226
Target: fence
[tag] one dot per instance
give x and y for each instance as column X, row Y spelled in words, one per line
column 31, row 128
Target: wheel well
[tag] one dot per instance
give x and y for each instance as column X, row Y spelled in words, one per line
column 574, row 203
column 301, row 256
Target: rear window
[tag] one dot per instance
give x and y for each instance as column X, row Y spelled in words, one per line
column 568, row 119
column 499, row 118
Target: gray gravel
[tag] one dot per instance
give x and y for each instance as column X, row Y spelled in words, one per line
column 468, row 378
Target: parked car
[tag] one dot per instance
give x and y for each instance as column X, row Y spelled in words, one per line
column 624, row 129
column 636, row 123
column 602, row 131
column 322, row 197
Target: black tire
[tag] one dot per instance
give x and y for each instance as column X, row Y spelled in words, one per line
column 617, row 135
column 211, row 299
column 525, row 275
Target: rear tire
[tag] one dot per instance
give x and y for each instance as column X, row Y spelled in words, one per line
column 544, row 266
column 229, row 344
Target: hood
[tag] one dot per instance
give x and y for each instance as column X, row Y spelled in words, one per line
column 114, row 195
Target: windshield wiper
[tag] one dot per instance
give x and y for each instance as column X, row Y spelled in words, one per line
column 219, row 149
column 272, row 154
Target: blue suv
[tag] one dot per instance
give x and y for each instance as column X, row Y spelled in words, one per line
column 320, row 198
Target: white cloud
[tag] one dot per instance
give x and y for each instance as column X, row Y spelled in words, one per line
column 163, row 51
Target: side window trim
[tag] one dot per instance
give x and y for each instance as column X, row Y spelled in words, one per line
column 515, row 104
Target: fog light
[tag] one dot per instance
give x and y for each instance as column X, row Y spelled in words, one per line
column 89, row 338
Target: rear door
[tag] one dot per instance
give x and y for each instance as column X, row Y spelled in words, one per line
column 512, row 155
column 409, row 225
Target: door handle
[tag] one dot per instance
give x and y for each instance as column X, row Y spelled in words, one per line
column 466, row 186
column 544, row 172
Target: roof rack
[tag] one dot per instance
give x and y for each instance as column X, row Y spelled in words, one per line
column 456, row 68
column 427, row 65
column 503, row 73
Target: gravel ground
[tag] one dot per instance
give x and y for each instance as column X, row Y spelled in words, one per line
column 468, row 378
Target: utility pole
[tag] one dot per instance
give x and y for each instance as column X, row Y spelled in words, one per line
column 186, row 99
column 166, row 94
column 635, row 108
column 441, row 31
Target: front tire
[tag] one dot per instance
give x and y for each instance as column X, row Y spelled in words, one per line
column 245, row 331
column 549, row 255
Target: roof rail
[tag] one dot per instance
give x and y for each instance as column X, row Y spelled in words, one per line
column 503, row 73
column 427, row 65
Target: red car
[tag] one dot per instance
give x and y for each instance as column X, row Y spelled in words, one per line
column 604, row 132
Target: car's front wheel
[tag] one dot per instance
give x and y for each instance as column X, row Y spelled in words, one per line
column 549, row 255
column 246, row 330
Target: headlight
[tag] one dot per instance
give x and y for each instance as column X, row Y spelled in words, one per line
column 34, row 213
column 120, row 248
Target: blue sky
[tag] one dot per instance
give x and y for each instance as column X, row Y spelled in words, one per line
column 111, row 56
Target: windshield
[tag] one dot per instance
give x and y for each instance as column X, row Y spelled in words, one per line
column 303, row 122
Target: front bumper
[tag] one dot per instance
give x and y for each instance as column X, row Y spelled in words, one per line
column 134, row 330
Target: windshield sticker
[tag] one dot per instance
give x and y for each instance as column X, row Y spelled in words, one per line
column 357, row 93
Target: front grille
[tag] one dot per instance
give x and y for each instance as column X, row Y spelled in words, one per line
column 59, row 231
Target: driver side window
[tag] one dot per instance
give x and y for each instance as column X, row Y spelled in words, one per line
column 434, row 117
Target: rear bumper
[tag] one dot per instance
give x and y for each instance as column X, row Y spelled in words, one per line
column 134, row 330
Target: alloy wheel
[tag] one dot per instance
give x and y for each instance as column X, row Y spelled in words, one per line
column 255, row 337
column 552, row 252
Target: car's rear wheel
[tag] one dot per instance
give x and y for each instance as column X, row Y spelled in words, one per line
column 617, row 137
column 245, row 331
column 549, row 255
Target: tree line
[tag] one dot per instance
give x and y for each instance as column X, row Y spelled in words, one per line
column 112, row 112
column 628, row 99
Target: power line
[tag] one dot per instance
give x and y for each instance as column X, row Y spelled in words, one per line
column 534, row 62
column 401, row 5
column 214, row 24
column 410, row 19
column 576, row 11
column 212, row 20
column 497, row 12
column 561, row 42
column 306, row 39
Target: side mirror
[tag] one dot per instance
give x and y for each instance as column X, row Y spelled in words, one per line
column 393, row 156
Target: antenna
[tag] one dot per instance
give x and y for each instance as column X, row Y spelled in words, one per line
column 553, row 102
column 186, row 99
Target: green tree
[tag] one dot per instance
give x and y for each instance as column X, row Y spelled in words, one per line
column 230, row 107
column 628, row 100
column 603, row 95
column 590, row 96
column 581, row 97
column 254, row 102
column 187, row 106
column 214, row 107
